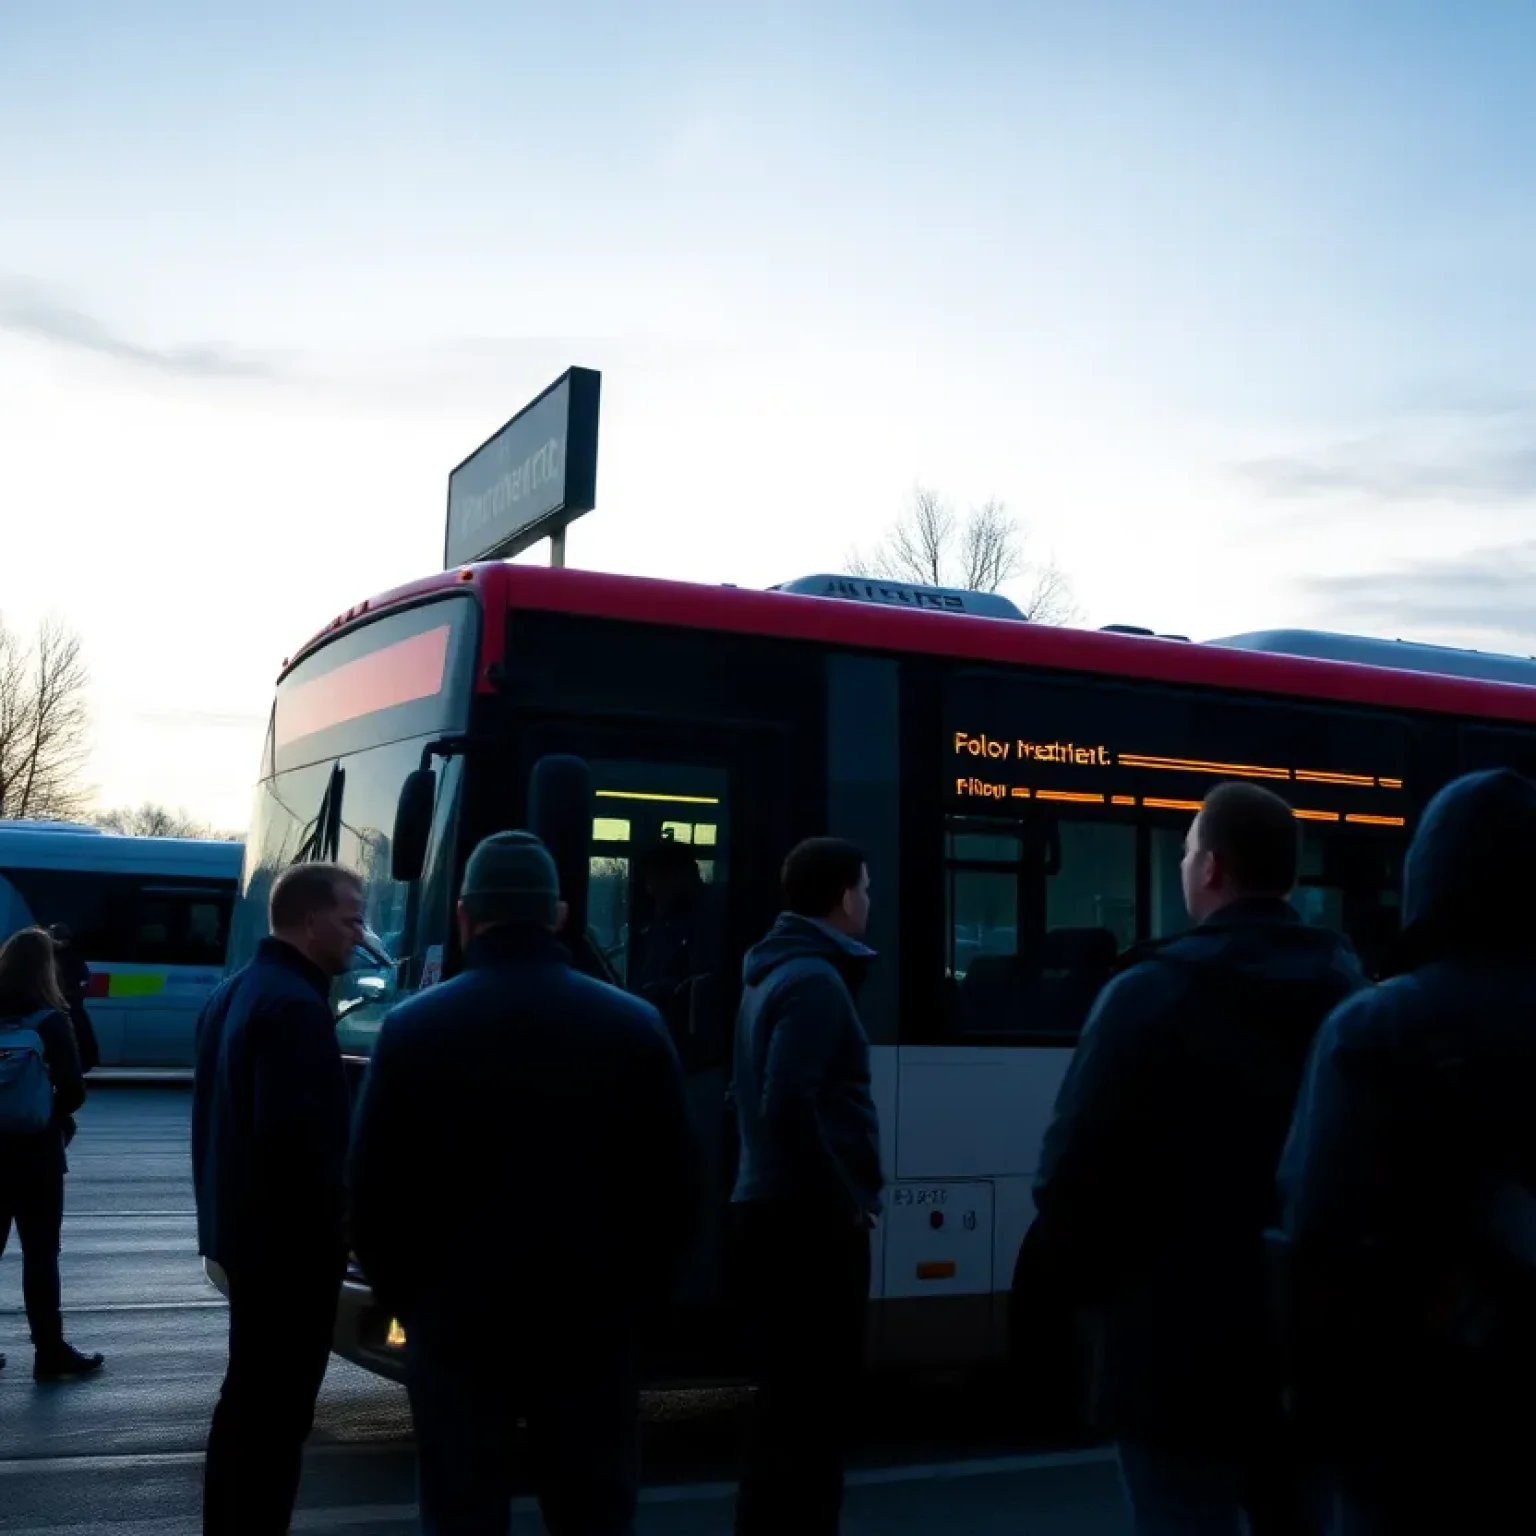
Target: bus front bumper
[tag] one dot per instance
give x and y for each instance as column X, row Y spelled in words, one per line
column 365, row 1334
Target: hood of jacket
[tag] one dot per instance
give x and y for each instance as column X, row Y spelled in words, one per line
column 1466, row 879
column 793, row 937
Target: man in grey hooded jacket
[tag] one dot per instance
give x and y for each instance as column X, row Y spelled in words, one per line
column 808, row 1187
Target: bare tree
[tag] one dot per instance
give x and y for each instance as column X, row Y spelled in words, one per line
column 43, row 721
column 152, row 820
column 982, row 552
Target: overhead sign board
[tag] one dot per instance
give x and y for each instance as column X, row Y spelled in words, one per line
column 536, row 475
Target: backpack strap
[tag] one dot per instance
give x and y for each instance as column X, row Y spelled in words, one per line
column 32, row 1021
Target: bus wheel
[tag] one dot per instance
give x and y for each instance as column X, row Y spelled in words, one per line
column 1049, row 1355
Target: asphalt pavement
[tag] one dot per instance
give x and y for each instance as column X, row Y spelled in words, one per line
column 122, row 1453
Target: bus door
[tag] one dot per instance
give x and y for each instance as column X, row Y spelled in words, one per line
column 689, row 830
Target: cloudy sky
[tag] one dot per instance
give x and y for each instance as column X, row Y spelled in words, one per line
column 1230, row 302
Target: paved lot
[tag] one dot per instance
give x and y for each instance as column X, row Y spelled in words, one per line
column 122, row 1454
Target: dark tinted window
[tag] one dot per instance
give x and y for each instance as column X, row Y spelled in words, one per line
column 1036, row 922
column 344, row 810
column 1064, row 809
column 1498, row 747
column 133, row 919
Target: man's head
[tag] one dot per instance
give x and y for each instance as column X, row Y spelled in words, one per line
column 318, row 909
column 1243, row 844
column 828, row 879
column 510, row 882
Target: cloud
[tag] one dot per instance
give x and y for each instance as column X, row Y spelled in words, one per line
column 26, row 311
column 1485, row 592
column 1482, row 455
column 403, row 374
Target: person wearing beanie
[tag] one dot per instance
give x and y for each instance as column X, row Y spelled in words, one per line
column 1408, row 1191
column 524, row 1192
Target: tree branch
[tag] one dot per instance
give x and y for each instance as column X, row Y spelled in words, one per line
column 43, row 724
column 985, row 552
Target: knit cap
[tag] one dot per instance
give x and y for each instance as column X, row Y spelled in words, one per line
column 510, row 878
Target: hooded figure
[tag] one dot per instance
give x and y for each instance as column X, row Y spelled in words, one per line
column 1414, row 1133
column 808, row 1190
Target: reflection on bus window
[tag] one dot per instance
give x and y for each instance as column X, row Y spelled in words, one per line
column 682, row 937
column 1037, row 919
column 655, row 909
column 1168, row 915
column 608, row 910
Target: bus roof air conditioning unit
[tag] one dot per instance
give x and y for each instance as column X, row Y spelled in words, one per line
column 905, row 594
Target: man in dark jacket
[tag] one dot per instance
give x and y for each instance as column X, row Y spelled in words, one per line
column 1157, row 1177
column 808, row 1186
column 74, row 983
column 269, row 1142
column 524, row 1194
column 1409, row 1168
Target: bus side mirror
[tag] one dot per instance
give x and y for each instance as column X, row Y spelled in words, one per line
column 413, row 826
column 560, row 816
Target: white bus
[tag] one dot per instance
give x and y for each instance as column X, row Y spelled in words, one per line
column 150, row 917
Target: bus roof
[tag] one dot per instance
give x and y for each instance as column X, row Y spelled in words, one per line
column 52, row 847
column 1352, row 670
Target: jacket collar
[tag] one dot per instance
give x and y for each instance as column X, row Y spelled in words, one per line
column 281, row 952
column 1250, row 910
column 499, row 946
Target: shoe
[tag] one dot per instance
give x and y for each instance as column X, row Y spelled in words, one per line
column 64, row 1363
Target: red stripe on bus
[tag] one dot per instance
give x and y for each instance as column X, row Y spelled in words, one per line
column 395, row 674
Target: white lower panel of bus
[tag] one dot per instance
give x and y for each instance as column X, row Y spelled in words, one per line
column 938, row 1239
column 954, row 1117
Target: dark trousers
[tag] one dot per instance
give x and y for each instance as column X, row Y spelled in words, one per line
column 1470, row 1475
column 582, row 1407
column 806, row 1279
column 280, row 1328
column 1185, row 1493
column 32, row 1197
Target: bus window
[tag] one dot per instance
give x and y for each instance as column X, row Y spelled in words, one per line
column 1168, row 915
column 1347, row 881
column 1350, row 882
column 133, row 919
column 1037, row 917
column 172, row 927
column 1095, row 888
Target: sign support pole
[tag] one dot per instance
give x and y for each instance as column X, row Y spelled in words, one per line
column 557, row 549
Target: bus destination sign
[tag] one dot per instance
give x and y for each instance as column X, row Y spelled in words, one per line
column 535, row 476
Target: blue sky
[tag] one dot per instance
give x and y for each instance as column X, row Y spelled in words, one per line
column 1230, row 303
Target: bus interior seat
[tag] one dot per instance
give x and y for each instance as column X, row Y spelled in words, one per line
column 1051, row 992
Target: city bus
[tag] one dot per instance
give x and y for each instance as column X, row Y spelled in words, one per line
column 1021, row 791
column 150, row 917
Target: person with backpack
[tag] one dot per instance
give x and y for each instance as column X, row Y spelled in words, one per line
column 1157, row 1177
column 40, row 1090
column 1408, row 1214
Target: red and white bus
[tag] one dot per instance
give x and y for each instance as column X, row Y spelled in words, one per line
column 1022, row 793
